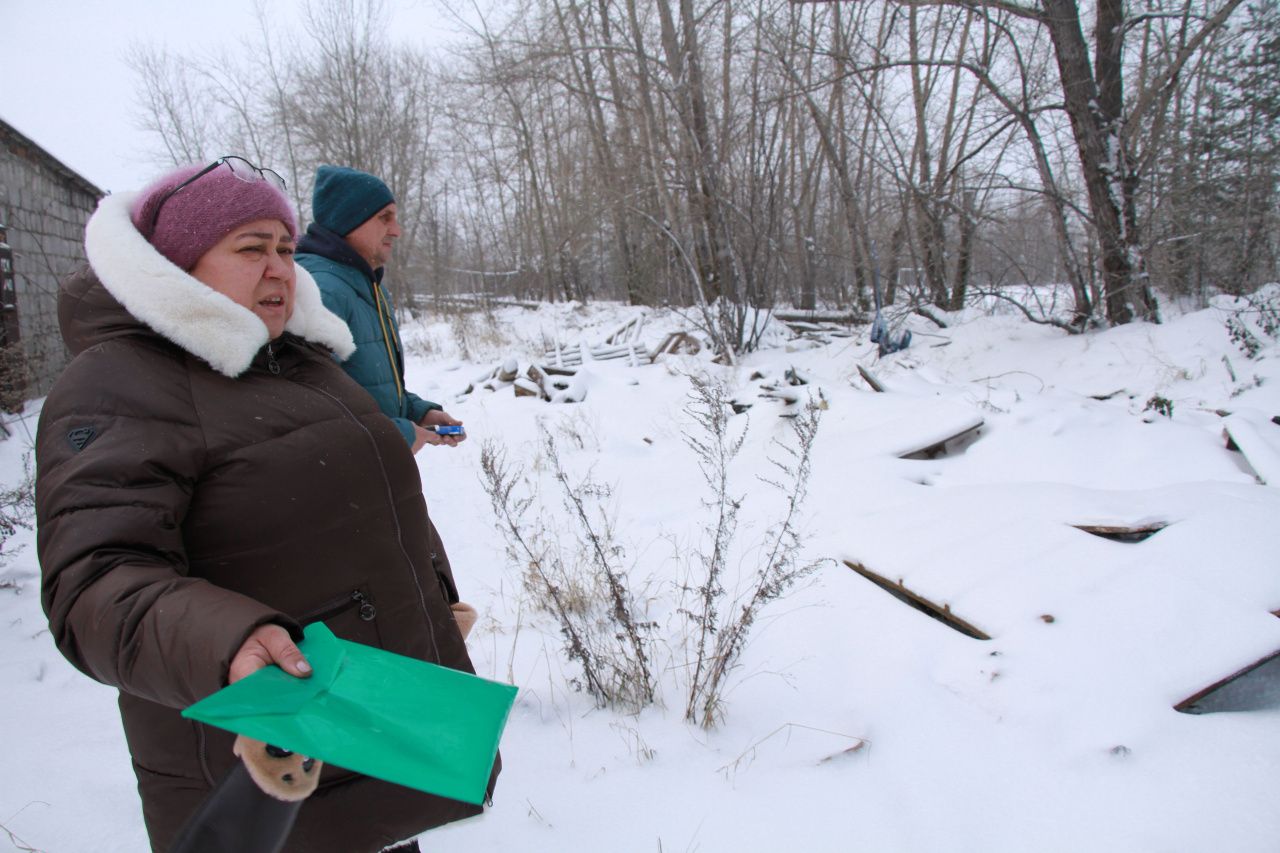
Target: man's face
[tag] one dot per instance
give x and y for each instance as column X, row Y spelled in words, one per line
column 372, row 240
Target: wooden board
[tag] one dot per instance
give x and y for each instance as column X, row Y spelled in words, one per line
column 906, row 426
column 1255, row 687
column 870, row 379
column 946, row 438
column 1258, row 440
column 1123, row 532
column 940, row 612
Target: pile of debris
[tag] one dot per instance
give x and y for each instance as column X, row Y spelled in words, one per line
column 623, row 343
column 819, row 327
column 555, row 379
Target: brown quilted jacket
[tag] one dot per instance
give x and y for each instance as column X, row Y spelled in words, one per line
column 181, row 505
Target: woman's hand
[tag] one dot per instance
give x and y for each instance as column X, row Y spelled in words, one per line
column 465, row 615
column 268, row 644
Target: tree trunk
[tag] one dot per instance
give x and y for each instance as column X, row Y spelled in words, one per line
column 685, row 67
column 1092, row 106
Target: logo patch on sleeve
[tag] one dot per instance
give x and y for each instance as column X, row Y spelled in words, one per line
column 80, row 437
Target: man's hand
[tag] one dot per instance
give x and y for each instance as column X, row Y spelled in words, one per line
column 439, row 417
column 268, row 644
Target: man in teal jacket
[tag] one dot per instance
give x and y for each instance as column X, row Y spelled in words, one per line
column 345, row 249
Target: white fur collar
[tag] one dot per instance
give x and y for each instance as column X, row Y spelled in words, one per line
column 186, row 311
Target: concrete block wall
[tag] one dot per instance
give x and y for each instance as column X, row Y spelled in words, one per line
column 44, row 206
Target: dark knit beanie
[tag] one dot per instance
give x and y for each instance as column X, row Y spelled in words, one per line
column 196, row 217
column 344, row 199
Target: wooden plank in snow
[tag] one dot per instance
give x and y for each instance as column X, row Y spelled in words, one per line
column 870, row 379
column 1258, row 440
column 1255, row 687
column 1124, row 532
column 913, row 599
column 946, row 436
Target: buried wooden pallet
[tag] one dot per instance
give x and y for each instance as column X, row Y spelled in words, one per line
column 628, row 332
column 573, row 355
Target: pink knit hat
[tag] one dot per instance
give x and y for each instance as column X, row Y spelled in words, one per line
column 196, row 217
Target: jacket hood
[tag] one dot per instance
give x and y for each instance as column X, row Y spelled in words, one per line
column 331, row 245
column 177, row 306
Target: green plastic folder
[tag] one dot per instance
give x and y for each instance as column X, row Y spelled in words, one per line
column 378, row 713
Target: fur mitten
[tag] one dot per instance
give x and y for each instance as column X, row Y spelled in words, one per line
column 284, row 775
column 253, row 808
column 465, row 615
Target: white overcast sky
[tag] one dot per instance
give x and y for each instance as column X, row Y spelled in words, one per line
column 64, row 82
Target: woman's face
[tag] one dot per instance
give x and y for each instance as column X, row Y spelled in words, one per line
column 253, row 266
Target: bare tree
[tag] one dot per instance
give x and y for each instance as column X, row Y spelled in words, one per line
column 171, row 104
column 344, row 96
column 724, row 155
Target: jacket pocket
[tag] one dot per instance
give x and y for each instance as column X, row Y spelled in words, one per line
column 447, row 589
column 351, row 615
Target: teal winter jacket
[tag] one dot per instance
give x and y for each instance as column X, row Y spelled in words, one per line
column 354, row 292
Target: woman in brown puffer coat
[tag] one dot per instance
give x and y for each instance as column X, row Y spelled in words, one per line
column 209, row 480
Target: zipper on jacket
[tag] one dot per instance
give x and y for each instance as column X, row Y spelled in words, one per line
column 272, row 364
column 386, row 482
column 339, row 605
column 384, row 322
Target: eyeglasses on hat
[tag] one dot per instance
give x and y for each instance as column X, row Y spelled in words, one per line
column 239, row 166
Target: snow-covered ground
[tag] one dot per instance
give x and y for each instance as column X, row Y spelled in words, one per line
column 854, row 722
